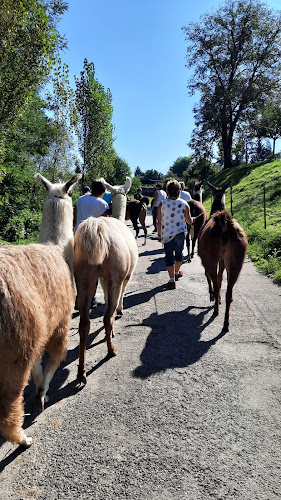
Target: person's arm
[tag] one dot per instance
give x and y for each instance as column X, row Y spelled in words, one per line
column 188, row 217
column 159, row 219
column 154, row 200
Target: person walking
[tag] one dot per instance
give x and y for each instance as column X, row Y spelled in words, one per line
column 90, row 205
column 185, row 195
column 159, row 196
column 173, row 213
column 138, row 194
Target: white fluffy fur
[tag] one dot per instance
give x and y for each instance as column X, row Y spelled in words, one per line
column 119, row 199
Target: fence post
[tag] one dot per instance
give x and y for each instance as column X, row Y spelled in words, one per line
column 231, row 208
column 264, row 207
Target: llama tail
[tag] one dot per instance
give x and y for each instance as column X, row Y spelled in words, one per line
column 92, row 241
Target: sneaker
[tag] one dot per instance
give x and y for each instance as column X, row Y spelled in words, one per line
column 171, row 285
column 180, row 275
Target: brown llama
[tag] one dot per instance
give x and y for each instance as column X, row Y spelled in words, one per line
column 218, row 197
column 196, row 210
column 222, row 244
column 137, row 210
column 36, row 304
column 198, row 191
column 105, row 249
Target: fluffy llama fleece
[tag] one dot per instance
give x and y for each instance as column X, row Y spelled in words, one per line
column 119, row 199
column 36, row 304
column 105, row 249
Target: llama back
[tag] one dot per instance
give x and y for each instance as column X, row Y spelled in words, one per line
column 32, row 279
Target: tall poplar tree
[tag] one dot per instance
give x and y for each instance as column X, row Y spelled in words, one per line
column 93, row 124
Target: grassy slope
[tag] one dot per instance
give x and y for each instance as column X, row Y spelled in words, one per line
column 247, row 195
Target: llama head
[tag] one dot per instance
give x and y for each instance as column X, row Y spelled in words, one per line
column 118, row 189
column 59, row 190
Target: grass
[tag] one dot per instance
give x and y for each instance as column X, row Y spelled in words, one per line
column 248, row 183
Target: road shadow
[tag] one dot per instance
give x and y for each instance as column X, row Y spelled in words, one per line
column 174, row 341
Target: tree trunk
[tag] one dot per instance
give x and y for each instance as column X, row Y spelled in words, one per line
column 227, row 149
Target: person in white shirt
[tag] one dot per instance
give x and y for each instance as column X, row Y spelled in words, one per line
column 185, row 195
column 159, row 195
column 90, row 206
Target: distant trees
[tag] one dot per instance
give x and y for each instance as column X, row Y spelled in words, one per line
column 236, row 56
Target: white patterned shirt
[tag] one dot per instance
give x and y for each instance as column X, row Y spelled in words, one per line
column 172, row 218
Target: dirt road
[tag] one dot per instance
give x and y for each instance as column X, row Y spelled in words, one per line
column 180, row 413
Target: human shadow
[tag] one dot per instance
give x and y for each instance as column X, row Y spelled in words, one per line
column 170, row 346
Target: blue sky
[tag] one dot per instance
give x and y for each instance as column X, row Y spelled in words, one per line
column 138, row 49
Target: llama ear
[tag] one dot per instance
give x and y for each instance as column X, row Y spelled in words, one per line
column 211, row 186
column 72, row 181
column 40, row 178
column 128, row 184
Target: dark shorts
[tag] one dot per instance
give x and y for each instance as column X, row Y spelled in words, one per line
column 173, row 249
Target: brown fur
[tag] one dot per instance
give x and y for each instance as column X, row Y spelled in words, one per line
column 196, row 208
column 104, row 249
column 36, row 302
column 137, row 210
column 219, row 197
column 222, row 245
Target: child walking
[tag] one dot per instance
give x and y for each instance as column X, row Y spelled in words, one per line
column 173, row 213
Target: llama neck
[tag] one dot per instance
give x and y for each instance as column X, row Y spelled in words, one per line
column 119, row 202
column 218, row 205
column 57, row 227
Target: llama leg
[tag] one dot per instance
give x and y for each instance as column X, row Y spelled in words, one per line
column 220, row 275
column 11, row 415
column 120, row 302
column 188, row 244
column 37, row 373
column 104, row 289
column 56, row 348
column 142, row 221
column 136, row 227
column 212, row 280
column 108, row 319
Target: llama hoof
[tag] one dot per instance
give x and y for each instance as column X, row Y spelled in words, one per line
column 39, row 402
column 215, row 313
column 212, row 297
column 26, row 442
column 112, row 353
column 81, row 378
column 225, row 329
column 119, row 314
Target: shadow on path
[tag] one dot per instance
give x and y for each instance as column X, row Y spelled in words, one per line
column 174, row 341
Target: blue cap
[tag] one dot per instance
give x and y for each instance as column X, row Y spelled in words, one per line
column 86, row 189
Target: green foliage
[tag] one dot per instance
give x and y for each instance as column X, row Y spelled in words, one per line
column 236, row 53
column 248, row 193
column 181, row 165
column 93, row 124
column 28, row 39
column 119, row 172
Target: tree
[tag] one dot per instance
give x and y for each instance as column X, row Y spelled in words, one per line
column 120, row 171
column 180, row 165
column 268, row 123
column 93, row 124
column 60, row 102
column 29, row 39
column 236, row 53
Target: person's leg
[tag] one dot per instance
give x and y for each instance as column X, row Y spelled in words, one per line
column 154, row 215
column 170, row 262
column 179, row 245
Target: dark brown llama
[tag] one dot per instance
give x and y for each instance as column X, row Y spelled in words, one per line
column 198, row 191
column 137, row 210
column 196, row 209
column 222, row 244
column 218, row 197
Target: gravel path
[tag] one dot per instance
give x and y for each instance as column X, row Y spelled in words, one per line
column 180, row 413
